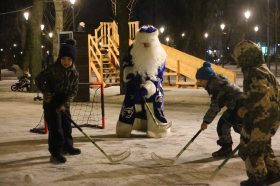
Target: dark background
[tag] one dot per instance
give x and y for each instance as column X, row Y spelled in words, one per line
column 193, row 17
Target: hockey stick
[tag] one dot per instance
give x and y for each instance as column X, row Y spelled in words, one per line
column 171, row 161
column 168, row 125
column 224, row 162
column 113, row 158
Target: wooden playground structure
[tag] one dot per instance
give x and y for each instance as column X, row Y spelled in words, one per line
column 104, row 59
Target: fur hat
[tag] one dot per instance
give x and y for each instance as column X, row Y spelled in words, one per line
column 147, row 34
column 68, row 49
column 205, row 72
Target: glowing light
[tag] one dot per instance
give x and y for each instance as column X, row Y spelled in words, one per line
column 72, row 2
column 247, row 14
column 161, row 29
column 222, row 26
column 167, row 39
column 26, row 15
column 206, row 35
column 256, row 28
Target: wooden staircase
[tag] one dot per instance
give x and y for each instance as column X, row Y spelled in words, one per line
column 104, row 53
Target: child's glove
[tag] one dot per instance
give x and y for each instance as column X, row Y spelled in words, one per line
column 129, row 77
column 47, row 97
column 242, row 111
column 61, row 108
column 143, row 91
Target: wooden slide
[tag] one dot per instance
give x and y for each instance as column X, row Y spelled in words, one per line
column 181, row 64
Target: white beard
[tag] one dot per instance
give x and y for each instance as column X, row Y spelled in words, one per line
column 147, row 60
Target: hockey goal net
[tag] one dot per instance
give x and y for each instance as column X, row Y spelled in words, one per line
column 86, row 113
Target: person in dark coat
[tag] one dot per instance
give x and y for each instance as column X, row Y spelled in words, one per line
column 59, row 85
column 223, row 94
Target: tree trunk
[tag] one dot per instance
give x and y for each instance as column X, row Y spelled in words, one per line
column 35, row 39
column 122, row 19
column 58, row 26
column 27, row 47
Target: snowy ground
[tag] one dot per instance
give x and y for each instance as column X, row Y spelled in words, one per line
column 24, row 158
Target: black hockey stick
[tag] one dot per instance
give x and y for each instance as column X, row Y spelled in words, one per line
column 224, row 162
column 113, row 158
column 171, row 161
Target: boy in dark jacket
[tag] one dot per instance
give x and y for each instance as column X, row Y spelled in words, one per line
column 223, row 94
column 59, row 85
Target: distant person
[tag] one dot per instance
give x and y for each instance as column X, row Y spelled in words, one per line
column 18, row 71
column 261, row 113
column 223, row 94
column 59, row 85
column 81, row 27
column 143, row 73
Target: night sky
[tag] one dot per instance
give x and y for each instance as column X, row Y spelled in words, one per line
column 178, row 16
column 92, row 12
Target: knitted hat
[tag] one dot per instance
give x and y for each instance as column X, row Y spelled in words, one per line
column 147, row 34
column 68, row 49
column 205, row 72
column 148, row 29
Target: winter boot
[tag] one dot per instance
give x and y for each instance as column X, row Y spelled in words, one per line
column 225, row 150
column 57, row 158
column 251, row 182
column 72, row 151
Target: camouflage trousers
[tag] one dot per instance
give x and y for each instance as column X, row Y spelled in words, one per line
column 255, row 149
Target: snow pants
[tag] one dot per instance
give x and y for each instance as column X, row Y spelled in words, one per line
column 60, row 130
column 228, row 120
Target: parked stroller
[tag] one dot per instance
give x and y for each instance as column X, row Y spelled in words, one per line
column 23, row 82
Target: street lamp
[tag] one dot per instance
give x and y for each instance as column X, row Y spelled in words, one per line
column 183, row 34
column 256, row 29
column 222, row 26
column 50, row 34
column 167, row 39
column 206, row 35
column 73, row 12
column 26, row 15
column 206, row 47
column 161, row 29
column 247, row 15
column 42, row 27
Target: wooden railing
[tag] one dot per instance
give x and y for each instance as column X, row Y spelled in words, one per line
column 187, row 65
column 103, row 47
column 113, row 51
column 95, row 56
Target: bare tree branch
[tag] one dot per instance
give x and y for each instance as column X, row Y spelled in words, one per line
column 131, row 5
column 114, row 8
